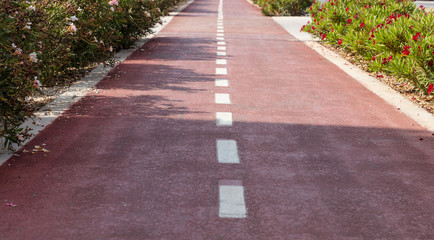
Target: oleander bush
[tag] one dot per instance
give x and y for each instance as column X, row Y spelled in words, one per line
column 284, row 7
column 392, row 36
column 44, row 42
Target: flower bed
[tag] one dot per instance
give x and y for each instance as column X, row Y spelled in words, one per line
column 391, row 36
column 45, row 42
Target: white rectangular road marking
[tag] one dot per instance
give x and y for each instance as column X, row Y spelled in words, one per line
column 231, row 200
column 221, row 43
column 221, row 48
column 220, row 31
column 220, row 38
column 222, row 98
column 221, row 61
column 219, row 23
column 224, row 119
column 227, row 151
column 221, row 53
column 221, row 83
column 219, row 27
column 220, row 34
column 221, row 71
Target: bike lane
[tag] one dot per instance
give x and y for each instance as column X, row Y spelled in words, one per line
column 224, row 127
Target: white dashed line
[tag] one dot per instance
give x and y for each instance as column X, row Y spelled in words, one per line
column 219, row 27
column 220, row 38
column 224, row 119
column 221, row 48
column 231, row 199
column 220, row 34
column 220, row 31
column 222, row 98
column 221, row 61
column 221, row 83
column 227, row 151
column 221, row 53
column 221, row 71
column 221, row 43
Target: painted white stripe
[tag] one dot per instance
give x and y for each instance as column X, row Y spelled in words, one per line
column 221, row 61
column 220, row 31
column 222, row 83
column 221, row 53
column 227, row 151
column 231, row 200
column 221, row 71
column 221, row 43
column 219, row 27
column 221, row 48
column 224, row 119
column 220, row 34
column 222, row 98
column 219, row 23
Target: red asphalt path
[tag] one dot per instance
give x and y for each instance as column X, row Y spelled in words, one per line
column 321, row 157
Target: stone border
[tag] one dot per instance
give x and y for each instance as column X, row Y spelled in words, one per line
column 418, row 114
column 47, row 114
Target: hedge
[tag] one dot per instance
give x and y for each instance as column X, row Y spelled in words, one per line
column 392, row 36
column 283, row 7
column 45, row 42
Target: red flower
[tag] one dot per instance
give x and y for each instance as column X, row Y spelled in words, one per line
column 416, row 37
column 340, row 41
column 430, row 88
column 380, row 76
column 346, row 9
column 406, row 50
column 386, row 60
column 349, row 21
column 362, row 25
column 323, row 36
column 373, row 58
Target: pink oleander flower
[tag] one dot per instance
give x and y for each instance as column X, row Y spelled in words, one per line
column 18, row 51
column 33, row 57
column 37, row 83
column 114, row 2
column 72, row 28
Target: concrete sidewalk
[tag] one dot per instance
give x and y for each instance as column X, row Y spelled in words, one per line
column 224, row 126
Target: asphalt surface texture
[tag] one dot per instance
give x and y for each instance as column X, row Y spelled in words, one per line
column 320, row 156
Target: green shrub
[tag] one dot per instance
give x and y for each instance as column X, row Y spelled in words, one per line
column 392, row 36
column 43, row 42
column 284, row 7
